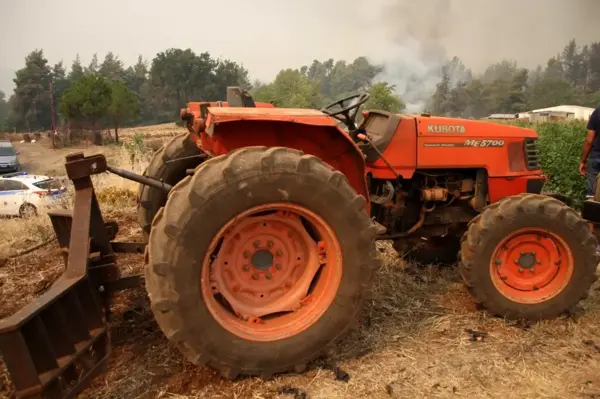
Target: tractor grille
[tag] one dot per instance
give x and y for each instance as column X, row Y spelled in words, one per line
column 532, row 154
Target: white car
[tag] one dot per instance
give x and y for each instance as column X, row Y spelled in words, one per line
column 23, row 195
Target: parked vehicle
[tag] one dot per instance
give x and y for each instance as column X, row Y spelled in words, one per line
column 9, row 158
column 23, row 195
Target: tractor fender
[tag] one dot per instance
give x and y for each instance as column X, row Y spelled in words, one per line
column 309, row 131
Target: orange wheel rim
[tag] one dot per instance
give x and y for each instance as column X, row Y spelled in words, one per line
column 271, row 272
column 531, row 266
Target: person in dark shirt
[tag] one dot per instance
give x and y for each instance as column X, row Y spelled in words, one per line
column 590, row 156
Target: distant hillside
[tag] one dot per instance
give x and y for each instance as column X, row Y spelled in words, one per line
column 6, row 81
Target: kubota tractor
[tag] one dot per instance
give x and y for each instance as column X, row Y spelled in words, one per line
column 262, row 225
column 261, row 257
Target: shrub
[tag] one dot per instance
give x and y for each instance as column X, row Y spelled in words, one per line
column 560, row 145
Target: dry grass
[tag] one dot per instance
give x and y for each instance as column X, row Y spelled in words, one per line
column 413, row 339
column 412, row 342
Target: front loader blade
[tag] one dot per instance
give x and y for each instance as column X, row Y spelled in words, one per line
column 55, row 345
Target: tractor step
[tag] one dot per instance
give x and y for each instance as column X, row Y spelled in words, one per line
column 591, row 211
column 56, row 344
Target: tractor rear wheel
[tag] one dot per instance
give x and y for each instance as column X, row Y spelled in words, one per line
column 528, row 257
column 260, row 261
column 151, row 199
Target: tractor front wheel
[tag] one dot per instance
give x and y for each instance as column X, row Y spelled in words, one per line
column 528, row 257
column 260, row 261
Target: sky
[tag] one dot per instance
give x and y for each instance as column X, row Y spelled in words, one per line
column 409, row 37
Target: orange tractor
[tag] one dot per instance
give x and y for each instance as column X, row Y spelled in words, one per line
column 262, row 224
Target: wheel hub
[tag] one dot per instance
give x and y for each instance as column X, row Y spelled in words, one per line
column 262, row 260
column 266, row 264
column 531, row 266
column 527, row 260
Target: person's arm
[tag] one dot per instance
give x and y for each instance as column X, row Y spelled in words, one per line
column 592, row 127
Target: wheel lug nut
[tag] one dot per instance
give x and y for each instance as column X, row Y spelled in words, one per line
column 498, row 262
column 520, row 270
column 255, row 277
column 246, row 254
column 269, row 243
column 278, row 266
column 539, row 262
column 268, row 276
column 257, row 244
column 516, row 261
column 279, row 253
column 246, row 268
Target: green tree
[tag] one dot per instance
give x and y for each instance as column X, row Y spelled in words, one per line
column 593, row 100
column 551, row 91
column 517, row 100
column 136, row 79
column 290, row 89
column 593, row 68
column 178, row 76
column 60, row 83
column 124, row 106
column 112, row 68
column 337, row 79
column 93, row 67
column 383, row 97
column 476, row 106
column 573, row 64
column 3, row 111
column 136, row 75
column 87, row 100
column 76, row 72
column 31, row 105
column 439, row 101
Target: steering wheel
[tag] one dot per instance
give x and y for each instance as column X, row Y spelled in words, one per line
column 347, row 111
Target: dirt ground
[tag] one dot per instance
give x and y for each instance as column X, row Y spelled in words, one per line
column 40, row 158
column 420, row 336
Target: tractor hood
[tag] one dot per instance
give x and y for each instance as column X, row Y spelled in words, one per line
column 295, row 115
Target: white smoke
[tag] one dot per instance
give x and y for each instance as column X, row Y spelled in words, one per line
column 417, row 38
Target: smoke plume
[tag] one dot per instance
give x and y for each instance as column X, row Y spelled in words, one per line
column 421, row 36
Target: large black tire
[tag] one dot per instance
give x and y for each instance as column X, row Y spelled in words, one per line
column 201, row 204
column 151, row 199
column 498, row 221
column 436, row 251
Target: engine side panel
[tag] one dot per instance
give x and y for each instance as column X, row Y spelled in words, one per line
column 458, row 144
